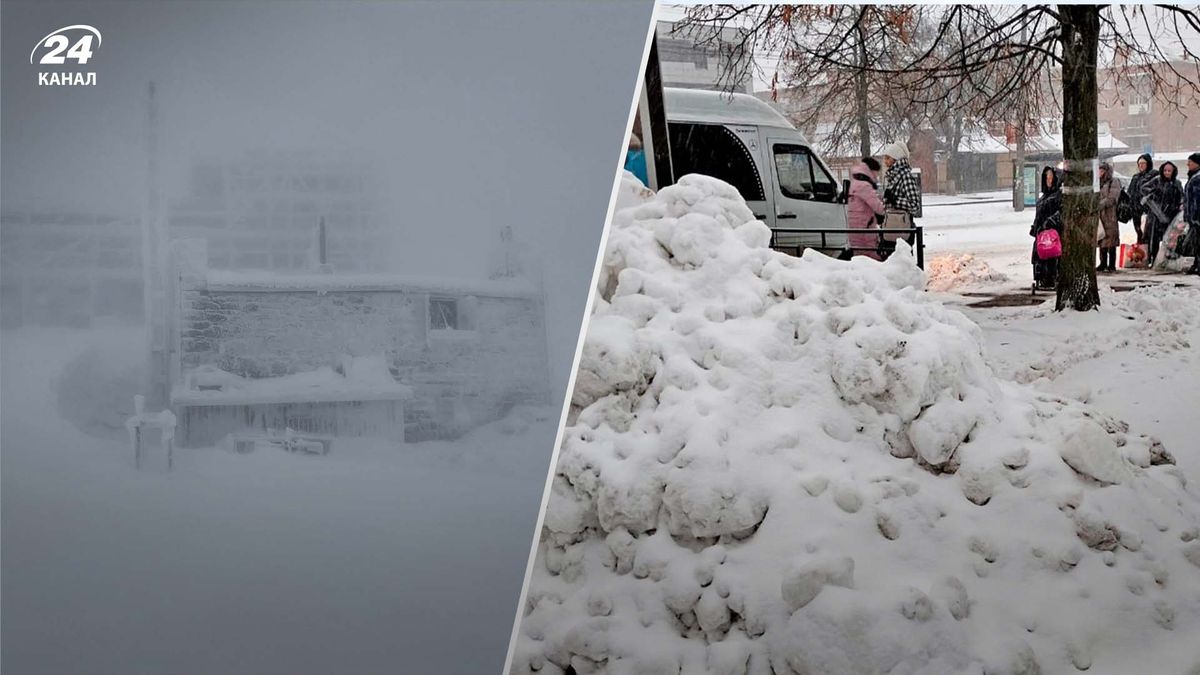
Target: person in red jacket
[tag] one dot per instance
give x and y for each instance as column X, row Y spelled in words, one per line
column 864, row 207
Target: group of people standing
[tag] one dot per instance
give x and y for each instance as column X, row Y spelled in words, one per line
column 866, row 209
column 1156, row 197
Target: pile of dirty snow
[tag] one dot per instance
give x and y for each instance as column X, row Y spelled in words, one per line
column 949, row 272
column 782, row 465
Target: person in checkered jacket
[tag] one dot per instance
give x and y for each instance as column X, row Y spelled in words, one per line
column 902, row 192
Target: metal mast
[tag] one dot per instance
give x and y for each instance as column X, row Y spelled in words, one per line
column 153, row 274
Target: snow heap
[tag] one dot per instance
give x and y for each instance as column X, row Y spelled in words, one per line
column 782, row 465
column 949, row 272
column 1157, row 319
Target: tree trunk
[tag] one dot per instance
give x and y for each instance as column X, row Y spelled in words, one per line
column 1077, row 287
column 953, row 136
column 861, row 95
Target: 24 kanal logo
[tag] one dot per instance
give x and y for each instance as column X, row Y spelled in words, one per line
column 77, row 44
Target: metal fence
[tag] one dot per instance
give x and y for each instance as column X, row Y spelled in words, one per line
column 794, row 241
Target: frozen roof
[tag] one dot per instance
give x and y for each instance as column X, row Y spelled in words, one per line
column 291, row 389
column 981, row 142
column 1051, row 139
column 256, row 281
column 1054, row 143
column 714, row 107
column 1158, row 157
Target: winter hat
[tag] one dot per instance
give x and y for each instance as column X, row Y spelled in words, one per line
column 861, row 169
column 1194, row 157
column 1149, row 160
column 896, row 151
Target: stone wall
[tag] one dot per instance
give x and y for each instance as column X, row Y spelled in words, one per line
column 461, row 377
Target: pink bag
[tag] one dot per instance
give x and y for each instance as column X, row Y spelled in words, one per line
column 1048, row 245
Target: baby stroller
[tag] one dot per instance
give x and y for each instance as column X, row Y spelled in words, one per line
column 1047, row 249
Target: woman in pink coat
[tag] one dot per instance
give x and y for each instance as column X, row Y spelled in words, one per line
column 863, row 207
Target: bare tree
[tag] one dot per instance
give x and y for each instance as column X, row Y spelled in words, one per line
column 1005, row 62
column 866, row 36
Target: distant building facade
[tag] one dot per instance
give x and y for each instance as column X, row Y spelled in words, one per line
column 688, row 65
column 59, row 268
column 258, row 211
column 1144, row 123
column 262, row 210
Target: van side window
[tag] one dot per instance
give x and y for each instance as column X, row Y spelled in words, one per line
column 800, row 175
column 713, row 150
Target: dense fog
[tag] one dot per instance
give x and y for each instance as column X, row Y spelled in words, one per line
column 427, row 129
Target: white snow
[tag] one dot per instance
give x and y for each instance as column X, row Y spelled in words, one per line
column 807, row 466
column 372, row 556
column 362, row 379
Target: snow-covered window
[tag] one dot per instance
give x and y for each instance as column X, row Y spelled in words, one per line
column 443, row 314
column 800, row 175
column 713, row 150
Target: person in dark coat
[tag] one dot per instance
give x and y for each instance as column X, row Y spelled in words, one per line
column 1047, row 216
column 1110, row 194
column 1191, row 206
column 1163, row 199
column 1137, row 184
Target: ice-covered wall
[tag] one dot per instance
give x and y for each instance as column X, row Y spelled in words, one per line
column 268, row 326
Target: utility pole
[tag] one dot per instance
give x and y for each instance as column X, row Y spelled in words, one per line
column 154, row 293
column 1022, row 125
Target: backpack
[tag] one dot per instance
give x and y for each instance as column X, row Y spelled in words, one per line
column 1048, row 244
column 1124, row 207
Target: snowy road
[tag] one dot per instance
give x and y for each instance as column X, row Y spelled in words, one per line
column 990, row 230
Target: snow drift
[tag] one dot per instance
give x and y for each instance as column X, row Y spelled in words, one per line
column 782, row 465
column 948, row 272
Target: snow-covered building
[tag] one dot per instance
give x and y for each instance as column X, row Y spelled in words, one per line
column 1047, row 143
column 400, row 357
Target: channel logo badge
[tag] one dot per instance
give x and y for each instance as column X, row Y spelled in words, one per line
column 73, row 45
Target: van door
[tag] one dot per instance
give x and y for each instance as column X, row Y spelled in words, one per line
column 805, row 195
column 720, row 152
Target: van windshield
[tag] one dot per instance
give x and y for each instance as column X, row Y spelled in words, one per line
column 800, row 176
